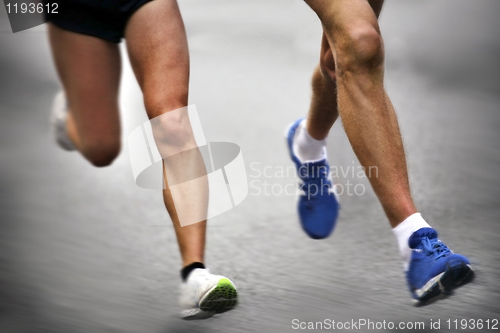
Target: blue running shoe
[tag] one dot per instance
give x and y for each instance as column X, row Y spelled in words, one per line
column 434, row 269
column 318, row 204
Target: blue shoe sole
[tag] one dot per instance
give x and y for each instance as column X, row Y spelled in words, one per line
column 456, row 274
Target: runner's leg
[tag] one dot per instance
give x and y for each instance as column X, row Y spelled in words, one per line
column 323, row 110
column 352, row 56
column 158, row 50
column 354, row 39
column 89, row 69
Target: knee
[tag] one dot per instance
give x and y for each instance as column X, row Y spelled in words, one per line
column 360, row 47
column 160, row 101
column 172, row 132
column 101, row 153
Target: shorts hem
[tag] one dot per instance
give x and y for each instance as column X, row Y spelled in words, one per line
column 82, row 30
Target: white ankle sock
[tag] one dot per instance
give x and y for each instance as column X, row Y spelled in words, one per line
column 403, row 232
column 306, row 147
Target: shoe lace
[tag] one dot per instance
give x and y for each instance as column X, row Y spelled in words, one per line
column 434, row 247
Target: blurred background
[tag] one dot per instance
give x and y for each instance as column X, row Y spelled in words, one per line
column 86, row 250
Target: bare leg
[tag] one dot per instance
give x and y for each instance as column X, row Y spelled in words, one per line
column 323, row 110
column 158, row 50
column 89, row 69
column 352, row 61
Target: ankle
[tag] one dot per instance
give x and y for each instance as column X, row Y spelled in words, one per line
column 403, row 232
column 186, row 270
column 306, row 147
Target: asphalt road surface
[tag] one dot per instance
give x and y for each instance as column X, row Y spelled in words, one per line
column 86, row 250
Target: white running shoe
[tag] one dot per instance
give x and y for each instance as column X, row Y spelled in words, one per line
column 204, row 295
column 58, row 122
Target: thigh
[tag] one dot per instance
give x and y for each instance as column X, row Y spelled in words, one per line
column 89, row 69
column 158, row 51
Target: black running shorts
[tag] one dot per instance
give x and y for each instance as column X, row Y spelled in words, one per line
column 104, row 19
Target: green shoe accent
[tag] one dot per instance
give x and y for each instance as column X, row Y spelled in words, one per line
column 222, row 298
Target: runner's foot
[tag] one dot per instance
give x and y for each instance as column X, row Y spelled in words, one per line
column 58, row 122
column 204, row 295
column 434, row 269
column 318, row 204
